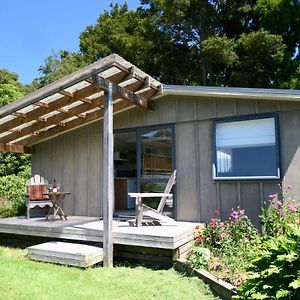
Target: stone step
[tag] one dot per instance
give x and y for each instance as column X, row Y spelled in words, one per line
column 78, row 255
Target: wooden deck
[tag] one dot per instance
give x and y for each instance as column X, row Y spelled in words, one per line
column 166, row 240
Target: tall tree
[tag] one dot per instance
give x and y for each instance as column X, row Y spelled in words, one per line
column 10, row 87
column 10, row 90
column 58, row 65
column 198, row 42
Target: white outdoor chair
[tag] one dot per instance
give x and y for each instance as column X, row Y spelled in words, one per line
column 151, row 212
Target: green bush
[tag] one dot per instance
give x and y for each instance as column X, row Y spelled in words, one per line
column 282, row 211
column 229, row 243
column 12, row 191
column 274, row 273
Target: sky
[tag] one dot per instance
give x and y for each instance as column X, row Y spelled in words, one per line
column 31, row 29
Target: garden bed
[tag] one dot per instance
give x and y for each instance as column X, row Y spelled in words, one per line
column 261, row 266
column 219, row 286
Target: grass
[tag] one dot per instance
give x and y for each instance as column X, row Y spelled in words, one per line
column 21, row 278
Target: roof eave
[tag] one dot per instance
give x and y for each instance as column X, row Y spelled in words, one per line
column 236, row 93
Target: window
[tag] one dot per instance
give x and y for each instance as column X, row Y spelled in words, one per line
column 246, row 149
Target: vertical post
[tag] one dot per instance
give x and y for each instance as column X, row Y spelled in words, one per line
column 108, row 179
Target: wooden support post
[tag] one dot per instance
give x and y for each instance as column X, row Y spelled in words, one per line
column 108, row 178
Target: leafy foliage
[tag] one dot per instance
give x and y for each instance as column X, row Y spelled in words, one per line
column 265, row 267
column 12, row 193
column 226, row 43
column 10, row 90
column 275, row 270
column 58, row 65
column 229, row 243
column 282, row 212
column 10, row 87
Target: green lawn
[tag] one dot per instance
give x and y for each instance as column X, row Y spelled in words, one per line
column 21, row 278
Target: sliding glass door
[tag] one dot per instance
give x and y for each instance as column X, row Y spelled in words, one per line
column 154, row 161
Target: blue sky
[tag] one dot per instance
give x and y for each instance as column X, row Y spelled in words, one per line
column 31, row 29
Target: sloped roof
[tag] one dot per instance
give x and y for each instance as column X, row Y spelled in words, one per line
column 73, row 101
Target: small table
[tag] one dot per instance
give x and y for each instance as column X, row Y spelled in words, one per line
column 57, row 199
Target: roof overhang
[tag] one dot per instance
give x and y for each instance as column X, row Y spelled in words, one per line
column 231, row 92
column 74, row 101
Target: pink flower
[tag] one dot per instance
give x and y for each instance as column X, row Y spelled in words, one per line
column 292, row 208
column 216, row 212
column 289, row 187
column 282, row 212
column 223, row 235
column 272, row 196
column 221, row 224
column 197, row 227
column 279, row 203
column 234, row 215
column 199, row 238
column 212, row 222
column 279, row 185
column 242, row 212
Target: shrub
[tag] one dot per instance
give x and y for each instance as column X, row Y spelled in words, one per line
column 275, row 270
column 229, row 243
column 282, row 211
column 12, row 191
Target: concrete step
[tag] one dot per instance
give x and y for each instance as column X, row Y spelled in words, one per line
column 78, row 255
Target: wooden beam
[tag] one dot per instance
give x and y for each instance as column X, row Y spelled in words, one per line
column 66, row 93
column 18, row 114
column 14, row 148
column 59, row 85
column 121, row 92
column 55, row 119
column 108, row 178
column 54, row 105
column 90, row 117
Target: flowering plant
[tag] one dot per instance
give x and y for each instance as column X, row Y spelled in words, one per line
column 280, row 211
column 228, row 242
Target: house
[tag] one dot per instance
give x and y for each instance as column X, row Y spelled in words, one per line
column 230, row 146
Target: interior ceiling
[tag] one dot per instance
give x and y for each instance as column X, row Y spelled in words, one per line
column 73, row 101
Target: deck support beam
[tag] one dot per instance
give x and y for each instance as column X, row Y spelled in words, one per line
column 108, row 178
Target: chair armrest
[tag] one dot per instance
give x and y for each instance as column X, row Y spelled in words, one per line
column 150, row 195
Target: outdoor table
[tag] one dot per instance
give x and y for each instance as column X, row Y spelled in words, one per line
column 57, row 199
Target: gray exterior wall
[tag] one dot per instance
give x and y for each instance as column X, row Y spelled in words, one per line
column 75, row 157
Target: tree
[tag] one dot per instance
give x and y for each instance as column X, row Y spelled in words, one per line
column 260, row 56
column 58, row 65
column 219, row 55
column 136, row 37
column 197, row 42
column 10, row 87
column 10, row 90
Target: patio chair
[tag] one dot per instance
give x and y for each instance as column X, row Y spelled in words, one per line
column 37, row 194
column 155, row 214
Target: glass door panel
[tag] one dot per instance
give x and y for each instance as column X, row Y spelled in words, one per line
column 156, row 153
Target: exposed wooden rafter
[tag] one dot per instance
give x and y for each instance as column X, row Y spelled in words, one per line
column 14, row 148
column 66, row 93
column 38, row 112
column 90, row 117
column 74, row 101
column 53, row 120
column 122, row 92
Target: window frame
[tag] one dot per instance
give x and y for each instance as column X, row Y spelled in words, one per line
column 247, row 118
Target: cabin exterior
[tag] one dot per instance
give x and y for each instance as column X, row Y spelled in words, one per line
column 191, row 117
column 230, row 146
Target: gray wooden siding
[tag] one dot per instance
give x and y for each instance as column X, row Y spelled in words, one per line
column 75, row 158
